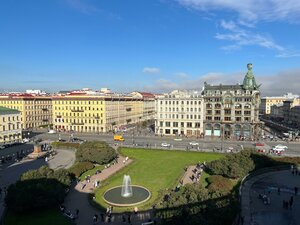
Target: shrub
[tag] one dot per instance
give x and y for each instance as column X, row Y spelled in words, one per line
column 38, row 189
column 233, row 165
column 219, row 184
column 80, row 167
column 95, row 152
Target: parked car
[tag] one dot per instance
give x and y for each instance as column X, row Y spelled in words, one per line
column 165, row 144
column 260, row 150
column 25, row 140
column 280, row 146
column 193, row 143
column 178, row 139
column 259, row 144
column 51, row 132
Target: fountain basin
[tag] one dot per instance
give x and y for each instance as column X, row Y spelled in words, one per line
column 113, row 196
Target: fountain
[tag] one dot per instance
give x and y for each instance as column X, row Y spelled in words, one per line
column 126, row 187
column 127, row 194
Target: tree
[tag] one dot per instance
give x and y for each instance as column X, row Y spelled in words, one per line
column 95, row 152
column 38, row 189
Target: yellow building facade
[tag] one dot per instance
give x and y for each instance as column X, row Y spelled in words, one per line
column 10, row 125
column 36, row 111
column 95, row 113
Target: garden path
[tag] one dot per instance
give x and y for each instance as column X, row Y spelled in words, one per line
column 188, row 174
column 78, row 199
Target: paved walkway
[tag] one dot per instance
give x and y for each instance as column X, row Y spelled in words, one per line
column 188, row 174
column 78, row 199
column 254, row 211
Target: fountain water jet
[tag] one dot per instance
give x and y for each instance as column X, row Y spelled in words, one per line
column 126, row 187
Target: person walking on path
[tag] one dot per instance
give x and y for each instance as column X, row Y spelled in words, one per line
column 291, row 202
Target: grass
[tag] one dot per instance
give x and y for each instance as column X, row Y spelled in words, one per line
column 48, row 217
column 156, row 170
column 91, row 172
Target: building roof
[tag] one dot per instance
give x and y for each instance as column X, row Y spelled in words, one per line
column 5, row 111
column 146, row 94
column 222, row 87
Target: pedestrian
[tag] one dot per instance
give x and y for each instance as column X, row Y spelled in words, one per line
column 278, row 190
column 242, row 220
column 291, row 201
column 128, row 218
column 123, row 218
column 95, row 218
column 102, row 217
column 0, row 192
column 77, row 212
column 296, row 190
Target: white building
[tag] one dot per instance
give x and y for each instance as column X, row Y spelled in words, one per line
column 179, row 113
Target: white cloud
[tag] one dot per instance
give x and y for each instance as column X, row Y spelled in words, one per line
column 251, row 10
column 83, row 6
column 249, row 13
column 152, row 70
column 242, row 37
column 272, row 85
column 181, row 75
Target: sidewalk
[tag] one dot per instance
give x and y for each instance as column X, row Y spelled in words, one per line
column 254, row 211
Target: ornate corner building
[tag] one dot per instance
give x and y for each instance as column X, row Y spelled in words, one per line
column 232, row 111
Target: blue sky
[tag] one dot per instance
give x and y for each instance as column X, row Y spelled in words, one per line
column 152, row 45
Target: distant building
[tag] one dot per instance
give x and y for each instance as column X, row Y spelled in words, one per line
column 36, row 92
column 99, row 112
column 10, row 129
column 290, row 110
column 232, row 111
column 179, row 113
column 36, row 111
column 268, row 102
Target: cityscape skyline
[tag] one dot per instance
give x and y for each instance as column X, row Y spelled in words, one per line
column 155, row 46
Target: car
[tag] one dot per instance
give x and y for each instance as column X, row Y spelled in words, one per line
column 165, row 144
column 260, row 150
column 178, row 139
column 259, row 144
column 193, row 143
column 279, row 146
column 51, row 132
column 2, row 147
column 25, row 140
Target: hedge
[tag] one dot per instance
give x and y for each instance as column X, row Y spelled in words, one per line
column 80, row 167
column 65, row 145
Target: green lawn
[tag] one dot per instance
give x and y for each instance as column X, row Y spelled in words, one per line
column 48, row 217
column 91, row 172
column 156, row 170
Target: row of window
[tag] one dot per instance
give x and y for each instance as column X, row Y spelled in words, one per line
column 228, row 119
column 176, row 116
column 227, row 111
column 180, row 102
column 78, row 102
column 12, row 118
column 10, row 127
column 180, row 124
column 182, row 109
column 78, row 121
column 78, row 114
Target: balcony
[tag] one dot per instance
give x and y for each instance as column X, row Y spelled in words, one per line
column 77, row 110
column 77, row 123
